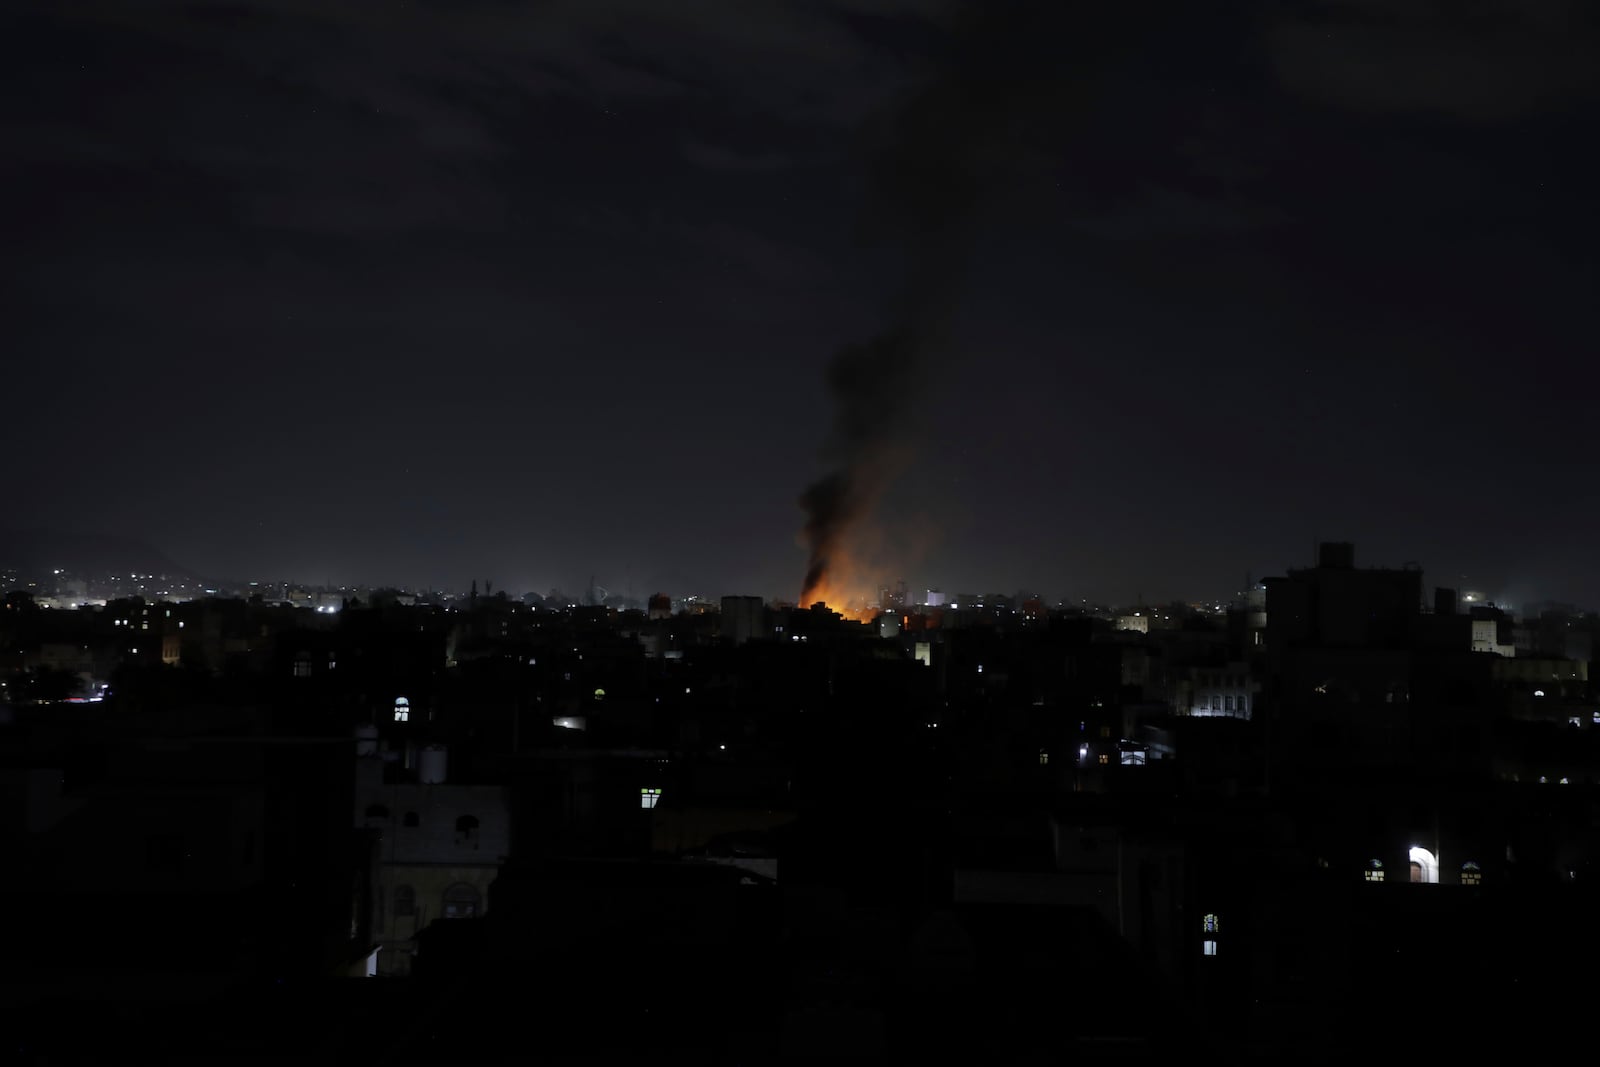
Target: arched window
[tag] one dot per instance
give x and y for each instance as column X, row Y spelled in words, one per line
column 405, row 902
column 410, row 820
column 1471, row 874
column 460, row 902
column 467, row 830
column 377, row 811
column 1375, row 870
column 402, row 709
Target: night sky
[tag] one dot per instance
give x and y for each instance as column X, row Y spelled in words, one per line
column 422, row 292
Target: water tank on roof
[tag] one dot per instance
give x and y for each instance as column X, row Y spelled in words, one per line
column 431, row 762
column 366, row 740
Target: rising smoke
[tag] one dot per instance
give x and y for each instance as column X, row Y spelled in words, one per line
column 932, row 159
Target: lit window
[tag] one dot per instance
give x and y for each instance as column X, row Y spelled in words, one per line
column 1209, row 947
column 648, row 797
column 402, row 710
column 460, row 901
column 1105, row 757
column 1044, row 757
column 1375, row 871
column 302, row 668
column 1471, row 874
column 1211, row 923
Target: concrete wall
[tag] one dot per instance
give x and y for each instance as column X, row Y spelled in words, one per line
column 435, row 838
column 396, row 934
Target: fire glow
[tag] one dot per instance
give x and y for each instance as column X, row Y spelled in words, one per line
column 855, row 608
column 843, row 587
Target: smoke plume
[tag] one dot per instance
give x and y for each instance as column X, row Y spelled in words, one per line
column 930, row 161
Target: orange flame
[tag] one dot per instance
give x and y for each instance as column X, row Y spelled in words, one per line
column 847, row 589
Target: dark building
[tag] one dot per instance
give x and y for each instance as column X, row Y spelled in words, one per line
column 1336, row 605
column 989, row 833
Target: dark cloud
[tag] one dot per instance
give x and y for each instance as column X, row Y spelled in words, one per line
column 1159, row 211
column 748, row 252
column 1485, row 61
column 350, row 116
column 719, row 157
column 776, row 54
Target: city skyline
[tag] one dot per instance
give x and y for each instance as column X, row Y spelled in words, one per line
column 1500, row 581
column 161, row 578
